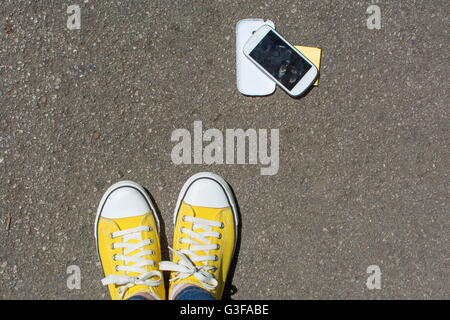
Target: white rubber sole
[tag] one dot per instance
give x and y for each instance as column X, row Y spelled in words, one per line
column 125, row 183
column 225, row 187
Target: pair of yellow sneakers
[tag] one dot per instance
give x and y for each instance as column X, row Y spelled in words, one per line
column 127, row 234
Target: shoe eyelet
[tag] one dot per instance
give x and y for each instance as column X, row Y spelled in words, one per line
column 216, row 258
column 112, row 246
column 149, row 229
column 218, row 247
column 111, row 235
column 222, row 226
column 114, row 257
column 117, row 269
column 183, row 219
column 220, row 236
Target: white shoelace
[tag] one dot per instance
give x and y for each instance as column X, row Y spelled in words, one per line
column 145, row 278
column 185, row 266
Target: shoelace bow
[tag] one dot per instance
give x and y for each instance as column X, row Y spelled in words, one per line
column 145, row 278
column 185, row 266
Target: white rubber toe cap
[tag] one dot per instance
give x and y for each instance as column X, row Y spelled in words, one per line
column 123, row 202
column 206, row 192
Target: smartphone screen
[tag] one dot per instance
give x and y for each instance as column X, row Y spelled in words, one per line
column 280, row 60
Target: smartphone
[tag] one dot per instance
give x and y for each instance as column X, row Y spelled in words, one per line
column 280, row 61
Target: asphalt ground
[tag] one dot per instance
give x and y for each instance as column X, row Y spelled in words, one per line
column 364, row 165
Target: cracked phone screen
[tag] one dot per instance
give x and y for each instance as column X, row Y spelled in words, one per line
column 280, row 60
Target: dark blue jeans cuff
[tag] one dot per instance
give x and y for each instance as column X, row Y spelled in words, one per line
column 137, row 298
column 194, row 293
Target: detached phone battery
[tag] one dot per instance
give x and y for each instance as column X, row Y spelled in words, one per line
column 250, row 80
column 314, row 55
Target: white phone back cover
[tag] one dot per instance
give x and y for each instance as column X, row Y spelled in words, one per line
column 250, row 80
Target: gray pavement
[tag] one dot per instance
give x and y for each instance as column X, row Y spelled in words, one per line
column 364, row 162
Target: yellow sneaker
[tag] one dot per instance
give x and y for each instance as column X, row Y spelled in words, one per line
column 205, row 235
column 127, row 236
